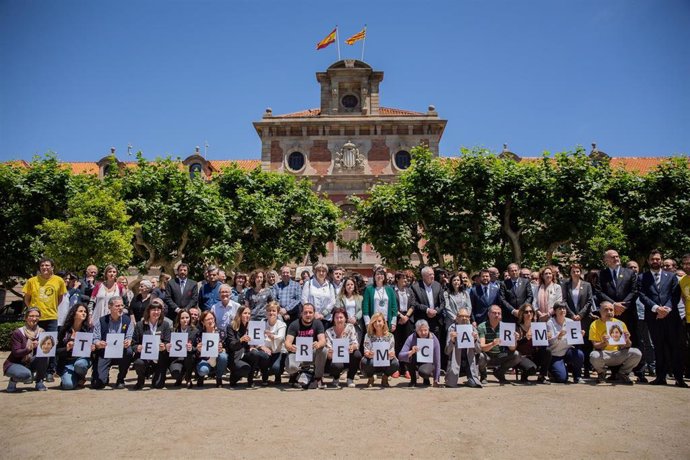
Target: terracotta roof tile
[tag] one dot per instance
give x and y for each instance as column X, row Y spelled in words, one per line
column 245, row 165
column 383, row 111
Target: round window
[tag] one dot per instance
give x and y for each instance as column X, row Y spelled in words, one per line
column 296, row 161
column 402, row 159
column 350, row 101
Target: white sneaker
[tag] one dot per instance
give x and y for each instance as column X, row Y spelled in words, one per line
column 336, row 382
column 350, row 383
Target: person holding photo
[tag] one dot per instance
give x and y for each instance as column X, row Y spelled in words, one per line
column 607, row 355
column 22, row 360
column 72, row 370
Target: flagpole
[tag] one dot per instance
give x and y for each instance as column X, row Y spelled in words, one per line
column 364, row 41
column 337, row 41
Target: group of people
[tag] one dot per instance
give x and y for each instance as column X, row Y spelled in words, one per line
column 328, row 325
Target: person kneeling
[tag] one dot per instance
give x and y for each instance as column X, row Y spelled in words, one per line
column 377, row 332
column 606, row 355
column 342, row 329
column 152, row 323
column 309, row 328
column 411, row 351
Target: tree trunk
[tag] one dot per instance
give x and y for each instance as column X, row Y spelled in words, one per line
column 512, row 235
column 552, row 248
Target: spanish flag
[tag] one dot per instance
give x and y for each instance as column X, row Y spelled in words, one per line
column 330, row 38
column 361, row 35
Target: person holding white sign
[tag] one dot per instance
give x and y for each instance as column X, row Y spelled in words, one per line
column 273, row 345
column 72, row 368
column 22, row 360
column 377, row 332
column 114, row 323
column 245, row 358
column 151, row 324
column 309, row 328
column 564, row 356
column 182, row 367
column 462, row 348
column 422, row 351
column 344, row 330
column 493, row 354
column 532, row 357
column 205, row 364
column 607, row 355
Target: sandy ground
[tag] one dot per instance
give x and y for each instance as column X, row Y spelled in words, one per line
column 556, row 421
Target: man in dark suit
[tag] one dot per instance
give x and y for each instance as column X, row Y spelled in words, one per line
column 428, row 301
column 180, row 293
column 618, row 285
column 483, row 296
column 660, row 294
column 515, row 291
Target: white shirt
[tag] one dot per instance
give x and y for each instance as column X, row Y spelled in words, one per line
column 429, row 295
column 322, row 296
column 381, row 301
column 224, row 315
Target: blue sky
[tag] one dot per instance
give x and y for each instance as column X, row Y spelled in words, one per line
column 77, row 77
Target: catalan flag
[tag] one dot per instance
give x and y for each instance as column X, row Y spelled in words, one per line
column 330, row 38
column 361, row 35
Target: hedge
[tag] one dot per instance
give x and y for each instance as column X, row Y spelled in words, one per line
column 6, row 332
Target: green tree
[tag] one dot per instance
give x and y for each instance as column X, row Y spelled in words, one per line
column 95, row 230
column 175, row 217
column 278, row 218
column 654, row 208
column 28, row 195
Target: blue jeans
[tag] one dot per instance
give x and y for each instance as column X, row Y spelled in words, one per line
column 50, row 325
column 74, row 373
column 20, row 372
column 203, row 368
column 573, row 360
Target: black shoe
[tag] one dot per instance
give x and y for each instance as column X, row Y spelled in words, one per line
column 472, row 384
column 139, row 386
column 612, row 378
column 658, row 381
column 651, row 372
column 219, row 383
column 200, row 382
column 500, row 377
column 426, row 382
column 681, row 384
column 278, row 381
column 97, row 385
column 642, row 379
column 412, row 384
column 120, row 385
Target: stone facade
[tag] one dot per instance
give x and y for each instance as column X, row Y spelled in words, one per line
column 349, row 143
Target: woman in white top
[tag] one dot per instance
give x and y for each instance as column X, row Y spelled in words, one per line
column 319, row 292
column 351, row 300
column 274, row 344
column 102, row 292
column 548, row 294
column 342, row 329
column 564, row 357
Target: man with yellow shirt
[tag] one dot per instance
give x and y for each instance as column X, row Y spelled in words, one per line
column 605, row 355
column 45, row 292
column 685, row 295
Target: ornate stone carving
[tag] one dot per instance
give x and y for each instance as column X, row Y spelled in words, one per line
column 349, row 157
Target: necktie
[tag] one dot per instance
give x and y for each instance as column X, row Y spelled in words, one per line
column 486, row 292
column 657, row 279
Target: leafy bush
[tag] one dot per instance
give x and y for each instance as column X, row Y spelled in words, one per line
column 6, row 332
